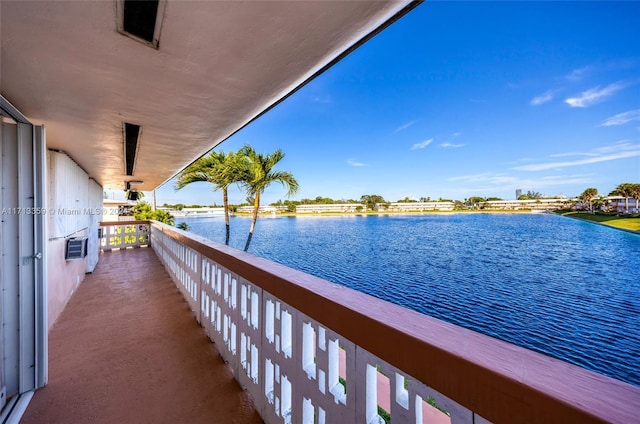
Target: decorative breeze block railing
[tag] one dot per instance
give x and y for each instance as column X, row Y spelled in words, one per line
column 122, row 235
column 298, row 370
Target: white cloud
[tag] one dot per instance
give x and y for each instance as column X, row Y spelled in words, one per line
column 405, row 126
column 595, row 95
column 422, row 145
column 457, row 134
column 543, row 98
column 448, row 145
column 569, row 154
column 616, row 147
column 578, row 74
column 620, row 150
column 355, row 163
column 622, row 118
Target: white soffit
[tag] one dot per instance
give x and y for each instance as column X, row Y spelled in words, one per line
column 218, row 66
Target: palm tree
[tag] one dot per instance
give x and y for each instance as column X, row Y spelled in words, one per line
column 220, row 169
column 261, row 174
column 625, row 190
column 588, row 195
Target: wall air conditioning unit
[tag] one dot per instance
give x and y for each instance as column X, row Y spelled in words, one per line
column 76, row 248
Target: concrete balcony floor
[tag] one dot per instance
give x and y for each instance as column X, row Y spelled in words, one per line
column 127, row 349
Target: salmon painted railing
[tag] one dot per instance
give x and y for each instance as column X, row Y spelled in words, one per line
column 310, row 351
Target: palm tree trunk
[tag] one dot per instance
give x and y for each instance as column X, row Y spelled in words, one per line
column 225, row 201
column 256, row 206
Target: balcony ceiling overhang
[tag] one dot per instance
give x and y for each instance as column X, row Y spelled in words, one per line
column 219, row 65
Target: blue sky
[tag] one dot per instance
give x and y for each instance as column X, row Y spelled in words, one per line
column 464, row 99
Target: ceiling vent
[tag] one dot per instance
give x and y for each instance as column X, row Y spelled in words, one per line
column 141, row 20
column 131, row 136
column 76, row 248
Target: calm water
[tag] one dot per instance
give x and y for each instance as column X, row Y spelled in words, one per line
column 555, row 285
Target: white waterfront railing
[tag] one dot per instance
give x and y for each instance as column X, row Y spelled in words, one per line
column 284, row 335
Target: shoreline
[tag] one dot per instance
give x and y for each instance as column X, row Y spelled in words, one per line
column 400, row 213
column 604, row 224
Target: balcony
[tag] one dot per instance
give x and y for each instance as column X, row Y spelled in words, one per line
column 127, row 349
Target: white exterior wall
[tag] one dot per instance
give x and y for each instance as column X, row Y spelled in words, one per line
column 262, row 209
column 420, row 206
column 333, row 207
column 194, row 212
column 74, row 209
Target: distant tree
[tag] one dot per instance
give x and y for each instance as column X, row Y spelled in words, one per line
column 597, row 202
column 407, row 200
column 458, row 205
column 441, row 199
column 319, row 200
column 260, row 176
column 475, row 201
column 532, row 195
column 491, row 199
column 425, row 199
column 523, row 197
column 142, row 211
column 325, row 200
column 370, row 200
column 588, row 195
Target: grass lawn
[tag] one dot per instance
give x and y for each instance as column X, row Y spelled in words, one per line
column 626, row 223
column 612, row 220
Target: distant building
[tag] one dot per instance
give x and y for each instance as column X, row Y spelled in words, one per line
column 518, row 193
column 537, row 204
column 329, row 207
column 262, row 209
column 193, row 212
column 618, row 204
column 417, row 206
